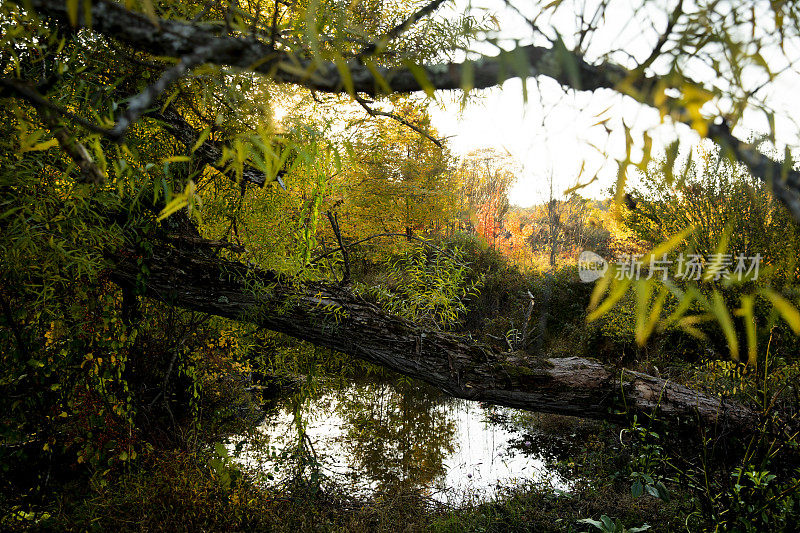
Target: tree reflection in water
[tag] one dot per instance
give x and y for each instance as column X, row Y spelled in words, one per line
column 400, row 434
column 394, row 436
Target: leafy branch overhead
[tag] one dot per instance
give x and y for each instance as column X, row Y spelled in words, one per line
column 365, row 72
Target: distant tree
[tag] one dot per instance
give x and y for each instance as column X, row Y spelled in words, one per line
column 486, row 176
column 723, row 202
column 566, row 227
column 394, row 180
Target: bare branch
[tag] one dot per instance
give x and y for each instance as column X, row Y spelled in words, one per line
column 378, row 113
column 673, row 19
column 401, row 28
column 333, row 218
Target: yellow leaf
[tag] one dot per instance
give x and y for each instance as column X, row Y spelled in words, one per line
column 616, row 293
column 177, row 159
column 667, row 246
column 600, row 289
column 695, row 94
column 298, row 71
column 150, row 11
column 46, row 145
column 178, row 202
column 421, row 76
column 694, row 98
column 380, row 81
column 344, row 73
column 87, row 13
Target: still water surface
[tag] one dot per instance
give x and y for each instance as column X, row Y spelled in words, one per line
column 378, row 436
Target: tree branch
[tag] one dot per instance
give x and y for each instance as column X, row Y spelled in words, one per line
column 144, row 100
column 208, row 152
column 401, row 28
column 673, row 19
column 179, row 39
column 377, row 113
column 333, row 218
column 27, row 92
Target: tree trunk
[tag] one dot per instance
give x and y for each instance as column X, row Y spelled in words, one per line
column 332, row 316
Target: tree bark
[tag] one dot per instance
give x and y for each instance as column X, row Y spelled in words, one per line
column 332, row 316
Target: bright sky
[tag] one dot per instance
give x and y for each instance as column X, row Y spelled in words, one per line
column 553, row 133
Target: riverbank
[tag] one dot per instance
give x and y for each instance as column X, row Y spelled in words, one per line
column 392, row 455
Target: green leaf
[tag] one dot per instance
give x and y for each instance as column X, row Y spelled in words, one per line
column 617, row 292
column 72, row 12
column 221, row 450
column 663, row 493
column 522, row 67
column 177, row 159
column 750, row 329
column 421, row 76
column 178, row 202
column 785, row 308
column 380, row 81
column 669, row 162
column 720, row 312
column 87, row 13
column 201, row 139
column 567, row 61
column 467, row 76
column 637, row 489
column 344, row 73
column 643, row 290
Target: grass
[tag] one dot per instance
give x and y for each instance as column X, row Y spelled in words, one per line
column 180, row 490
column 176, row 492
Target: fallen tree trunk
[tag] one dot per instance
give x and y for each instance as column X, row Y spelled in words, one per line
column 333, row 316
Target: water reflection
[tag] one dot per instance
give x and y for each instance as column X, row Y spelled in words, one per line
column 381, row 437
column 399, row 436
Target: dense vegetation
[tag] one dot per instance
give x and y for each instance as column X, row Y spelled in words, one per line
column 286, row 144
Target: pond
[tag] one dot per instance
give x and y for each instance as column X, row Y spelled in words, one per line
column 381, row 436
